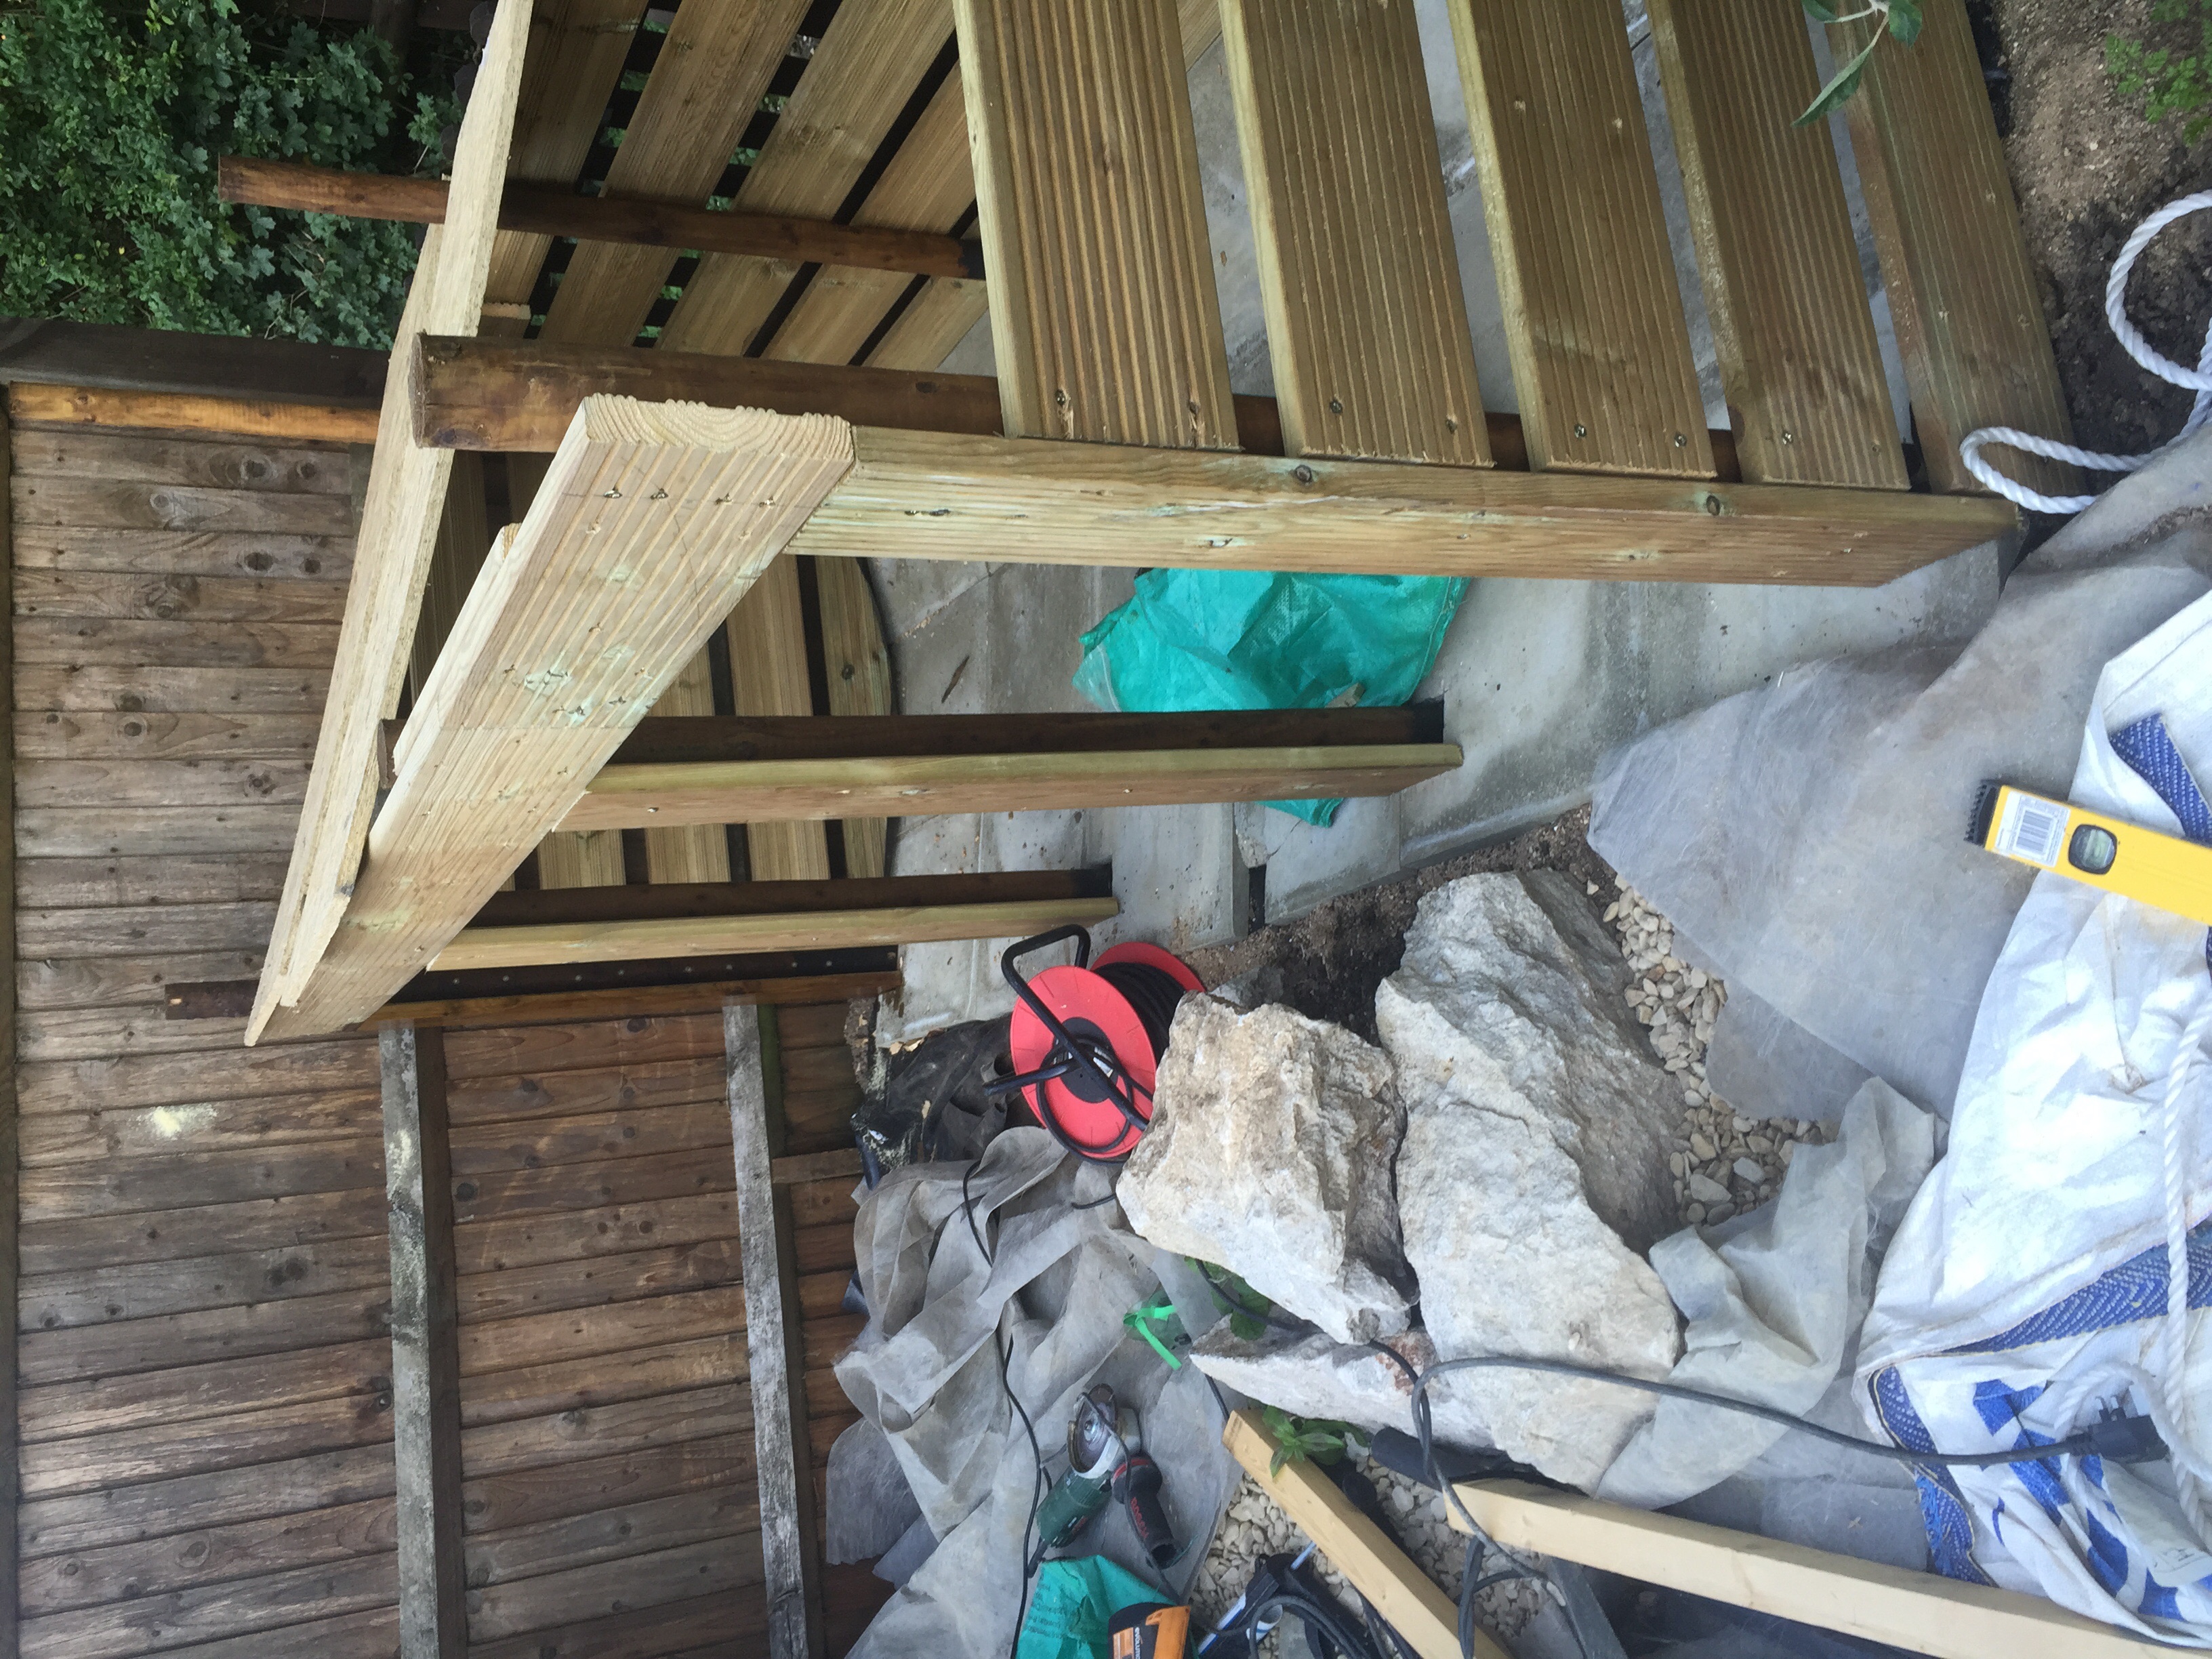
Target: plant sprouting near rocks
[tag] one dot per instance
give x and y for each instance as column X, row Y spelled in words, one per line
column 112, row 114
column 2173, row 78
column 1899, row 20
column 1301, row 1439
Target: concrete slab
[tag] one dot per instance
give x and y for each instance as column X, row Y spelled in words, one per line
column 1539, row 678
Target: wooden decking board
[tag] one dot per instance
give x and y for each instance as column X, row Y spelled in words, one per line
column 638, row 1275
column 508, row 1503
column 1593, row 320
column 571, row 1186
column 206, row 1390
column 705, row 86
column 278, row 556
column 1798, row 358
column 1102, row 310
column 549, row 1391
column 1968, row 311
column 70, row 684
column 565, row 1436
column 156, row 1081
column 127, row 1457
column 625, row 1586
column 614, row 1328
column 860, row 77
column 582, row 1236
column 498, row 1051
column 1367, row 327
column 105, row 735
column 767, row 635
column 145, row 1289
column 526, row 1097
column 178, row 1618
column 542, row 1143
column 184, row 1179
column 46, row 450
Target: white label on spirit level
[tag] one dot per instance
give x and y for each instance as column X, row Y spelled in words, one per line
column 2032, row 830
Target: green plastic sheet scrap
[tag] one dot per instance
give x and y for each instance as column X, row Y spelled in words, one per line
column 1071, row 1604
column 1247, row 639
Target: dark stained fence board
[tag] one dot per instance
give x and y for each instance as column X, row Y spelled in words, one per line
column 530, row 1498
column 705, row 1264
column 50, row 449
column 126, row 1458
column 524, row 1241
column 70, row 684
column 544, row 1392
column 63, row 1138
column 205, row 1391
column 71, row 1244
column 275, row 554
column 145, row 1289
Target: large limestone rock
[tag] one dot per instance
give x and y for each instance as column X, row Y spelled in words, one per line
column 1270, row 1152
column 1534, row 1168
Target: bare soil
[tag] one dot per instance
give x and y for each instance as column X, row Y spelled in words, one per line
column 2086, row 168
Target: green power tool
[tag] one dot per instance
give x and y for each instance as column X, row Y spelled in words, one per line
column 1095, row 1449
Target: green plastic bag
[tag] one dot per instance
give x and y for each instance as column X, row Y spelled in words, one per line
column 1240, row 639
column 1071, row 1604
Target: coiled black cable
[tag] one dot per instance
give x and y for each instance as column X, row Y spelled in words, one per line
column 1153, row 993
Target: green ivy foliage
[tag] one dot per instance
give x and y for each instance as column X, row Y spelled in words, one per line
column 2171, row 74
column 111, row 117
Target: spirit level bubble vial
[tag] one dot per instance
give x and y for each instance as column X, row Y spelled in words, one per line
column 2154, row 869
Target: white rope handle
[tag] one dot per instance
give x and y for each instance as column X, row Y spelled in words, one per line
column 2197, row 379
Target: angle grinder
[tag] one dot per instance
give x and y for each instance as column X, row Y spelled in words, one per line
column 1106, row 1459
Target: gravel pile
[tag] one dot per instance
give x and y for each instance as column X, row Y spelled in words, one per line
column 1255, row 1527
column 1723, row 1164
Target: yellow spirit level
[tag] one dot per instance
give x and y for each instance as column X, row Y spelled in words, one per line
column 2163, row 871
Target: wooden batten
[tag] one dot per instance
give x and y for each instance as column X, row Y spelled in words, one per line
column 859, row 672
column 1968, row 310
column 1593, row 320
column 405, row 495
column 1023, row 501
column 652, row 523
column 1798, row 358
column 1367, row 327
column 767, row 635
column 175, row 411
column 1103, row 316
column 1920, row 1612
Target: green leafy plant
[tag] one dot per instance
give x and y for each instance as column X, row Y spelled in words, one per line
column 112, row 114
column 1900, row 20
column 1303, row 1439
column 1247, row 1309
column 2174, row 78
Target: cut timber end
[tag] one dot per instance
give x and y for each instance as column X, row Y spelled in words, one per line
column 653, row 521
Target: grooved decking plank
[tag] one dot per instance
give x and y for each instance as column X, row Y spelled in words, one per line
column 1969, row 318
column 1798, row 357
column 705, row 87
column 1103, row 316
column 1366, row 323
column 1593, row 319
column 860, row 78
column 767, row 635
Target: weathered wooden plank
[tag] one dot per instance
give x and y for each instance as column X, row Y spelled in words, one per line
column 178, row 1619
column 706, row 84
column 96, row 1134
column 1028, row 502
column 137, row 1290
column 561, row 1386
column 606, row 1588
column 275, row 556
column 534, row 1096
column 610, row 1327
column 696, row 852
column 123, row 1347
column 176, row 688
column 623, row 1044
column 179, row 1180
column 1103, row 318
column 137, row 1080
column 541, row 1143
column 823, row 1248
column 1798, row 358
column 432, row 1583
column 77, row 832
column 373, row 1634
column 125, row 1457
column 129, row 884
column 81, row 504
column 580, row 1432
column 482, row 730
column 792, row 1582
column 46, row 450
column 58, row 407
column 570, row 1238
column 257, row 1495
column 725, row 1625
column 858, row 666
column 1967, row 306
column 125, row 784
column 503, row 1505
column 1593, row 320
column 623, row 1180
column 126, row 643
column 10, row 1207
column 463, row 540
column 684, row 988
column 611, row 1534
column 50, row 351
column 211, row 1389
column 768, row 676
column 819, row 1203
column 136, row 930
column 207, row 1555
column 404, row 497
column 97, row 1033
column 76, row 1246
column 670, row 1269
column 1922, row 1612
column 103, row 736
column 1367, row 328
column 862, row 73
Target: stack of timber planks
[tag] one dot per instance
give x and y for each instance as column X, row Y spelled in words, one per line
column 203, row 1366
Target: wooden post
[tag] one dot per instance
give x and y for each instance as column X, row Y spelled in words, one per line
column 11, row 1474
column 788, row 1543
column 426, row 1383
